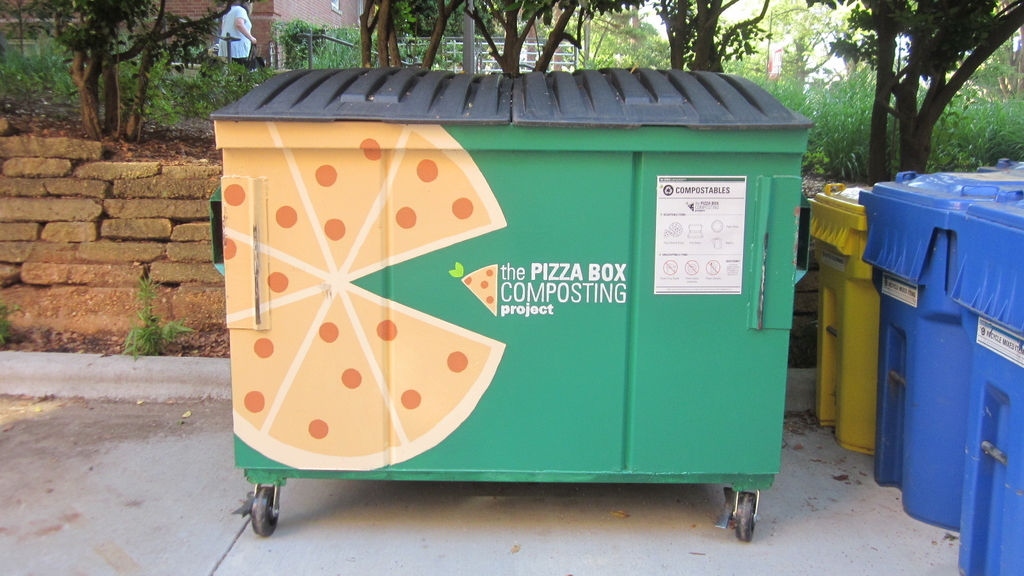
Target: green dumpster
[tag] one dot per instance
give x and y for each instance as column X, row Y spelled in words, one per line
column 580, row 277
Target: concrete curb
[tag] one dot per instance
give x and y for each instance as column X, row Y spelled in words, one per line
column 151, row 378
column 160, row 378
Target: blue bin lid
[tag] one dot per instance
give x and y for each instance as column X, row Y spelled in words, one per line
column 953, row 191
column 612, row 98
column 903, row 215
column 990, row 280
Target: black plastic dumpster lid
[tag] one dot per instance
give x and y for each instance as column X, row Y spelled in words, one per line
column 606, row 98
column 398, row 95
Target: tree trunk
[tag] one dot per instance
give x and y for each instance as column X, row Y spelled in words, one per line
column 394, row 55
column 554, row 39
column 383, row 32
column 708, row 13
column 133, row 126
column 366, row 26
column 111, row 99
column 86, row 74
column 444, row 12
column 885, row 77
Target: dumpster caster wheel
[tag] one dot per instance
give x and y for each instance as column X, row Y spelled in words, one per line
column 745, row 516
column 265, row 509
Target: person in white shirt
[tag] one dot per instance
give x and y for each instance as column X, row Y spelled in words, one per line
column 236, row 24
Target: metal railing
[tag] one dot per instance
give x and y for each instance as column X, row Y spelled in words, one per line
column 566, row 57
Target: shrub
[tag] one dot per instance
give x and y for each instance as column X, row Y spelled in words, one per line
column 149, row 338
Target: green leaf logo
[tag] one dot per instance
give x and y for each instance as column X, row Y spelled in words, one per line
column 459, row 270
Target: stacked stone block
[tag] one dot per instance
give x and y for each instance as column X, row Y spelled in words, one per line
column 77, row 233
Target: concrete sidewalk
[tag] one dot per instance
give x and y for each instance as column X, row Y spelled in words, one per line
column 116, row 487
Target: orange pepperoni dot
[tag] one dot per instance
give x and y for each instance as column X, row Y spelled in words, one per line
column 263, row 348
column 462, row 208
column 387, row 330
column 406, row 217
column 484, row 285
column 489, row 272
column 254, row 402
column 278, row 282
column 230, row 248
column 411, row 399
column 328, row 332
column 457, row 361
column 286, row 216
column 318, row 429
column 326, row 175
column 371, row 149
column 468, row 280
column 490, row 299
column 335, row 229
column 427, row 170
column 351, row 378
column 234, row 195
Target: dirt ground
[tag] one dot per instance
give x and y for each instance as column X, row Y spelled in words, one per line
column 190, row 142
column 210, row 344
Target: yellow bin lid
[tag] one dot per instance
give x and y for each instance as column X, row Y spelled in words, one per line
column 835, row 213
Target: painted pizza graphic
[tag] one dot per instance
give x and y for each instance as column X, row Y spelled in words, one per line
column 326, row 374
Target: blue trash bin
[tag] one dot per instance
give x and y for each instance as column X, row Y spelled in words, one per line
column 1003, row 164
column 924, row 354
column 990, row 286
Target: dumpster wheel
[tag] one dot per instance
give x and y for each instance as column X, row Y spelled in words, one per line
column 745, row 518
column 265, row 509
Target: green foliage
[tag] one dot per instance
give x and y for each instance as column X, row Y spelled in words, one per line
column 977, row 131
column 974, row 131
column 177, row 92
column 149, row 338
column 5, row 322
column 623, row 40
column 841, row 111
column 43, row 75
column 293, row 37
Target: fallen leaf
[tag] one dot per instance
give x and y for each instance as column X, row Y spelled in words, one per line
column 38, row 409
column 841, row 477
column 187, row 414
column 516, row 548
column 798, row 447
column 620, row 514
column 697, row 554
column 141, row 402
column 951, row 537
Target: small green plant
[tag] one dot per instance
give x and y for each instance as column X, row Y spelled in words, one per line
column 5, row 322
column 150, row 338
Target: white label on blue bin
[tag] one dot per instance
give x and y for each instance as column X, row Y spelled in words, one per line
column 833, row 260
column 898, row 289
column 1001, row 342
column 698, row 245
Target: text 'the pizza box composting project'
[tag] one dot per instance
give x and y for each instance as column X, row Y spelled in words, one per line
column 580, row 277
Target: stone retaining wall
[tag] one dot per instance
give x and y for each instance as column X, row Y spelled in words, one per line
column 77, row 233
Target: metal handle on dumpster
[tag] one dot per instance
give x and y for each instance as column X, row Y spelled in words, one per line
column 990, row 449
column 243, row 230
column 217, row 229
column 778, row 251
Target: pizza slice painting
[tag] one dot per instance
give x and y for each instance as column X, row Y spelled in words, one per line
column 483, row 284
column 341, row 378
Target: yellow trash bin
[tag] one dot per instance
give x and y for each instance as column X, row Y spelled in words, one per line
column 847, row 319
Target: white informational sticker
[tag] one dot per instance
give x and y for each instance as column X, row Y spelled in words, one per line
column 898, row 289
column 698, row 245
column 1001, row 342
column 833, row 260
